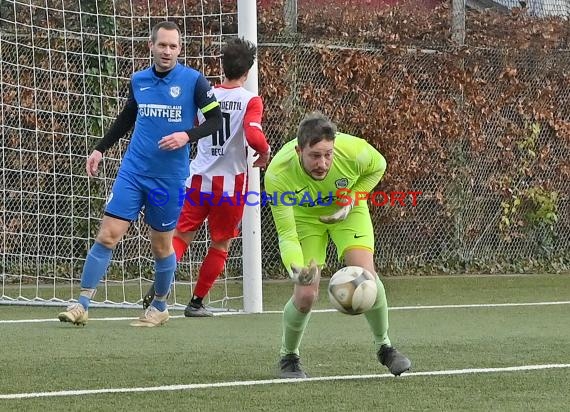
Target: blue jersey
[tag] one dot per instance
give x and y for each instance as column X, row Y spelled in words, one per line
column 165, row 105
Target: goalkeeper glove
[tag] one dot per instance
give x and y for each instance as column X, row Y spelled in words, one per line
column 338, row 216
column 306, row 275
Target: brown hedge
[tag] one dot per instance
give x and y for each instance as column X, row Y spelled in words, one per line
column 456, row 123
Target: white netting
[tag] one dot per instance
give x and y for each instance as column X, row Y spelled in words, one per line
column 482, row 130
column 65, row 70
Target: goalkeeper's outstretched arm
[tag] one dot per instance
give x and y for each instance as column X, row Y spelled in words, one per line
column 289, row 246
column 284, row 218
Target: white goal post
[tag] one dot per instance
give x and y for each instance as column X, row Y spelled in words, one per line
column 64, row 70
column 251, row 226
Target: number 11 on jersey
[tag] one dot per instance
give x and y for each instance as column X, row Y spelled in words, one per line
column 223, row 134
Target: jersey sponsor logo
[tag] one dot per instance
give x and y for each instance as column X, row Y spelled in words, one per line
column 168, row 224
column 300, row 190
column 172, row 113
column 341, row 183
column 109, row 198
column 175, row 91
column 142, row 89
column 209, row 94
column 358, row 236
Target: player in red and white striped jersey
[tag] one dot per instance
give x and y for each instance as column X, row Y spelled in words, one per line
column 218, row 174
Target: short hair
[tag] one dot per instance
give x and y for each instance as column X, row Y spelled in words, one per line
column 314, row 128
column 238, row 56
column 167, row 25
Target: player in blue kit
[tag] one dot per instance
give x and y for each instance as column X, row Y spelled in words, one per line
column 162, row 106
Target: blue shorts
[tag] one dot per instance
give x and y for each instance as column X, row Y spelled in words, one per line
column 158, row 197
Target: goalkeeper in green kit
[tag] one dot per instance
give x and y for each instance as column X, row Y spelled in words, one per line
column 304, row 180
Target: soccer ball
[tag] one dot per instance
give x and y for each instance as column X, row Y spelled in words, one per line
column 353, row 290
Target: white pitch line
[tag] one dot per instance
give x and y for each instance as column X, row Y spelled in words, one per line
column 272, row 312
column 482, row 305
column 90, row 319
column 468, row 305
column 194, row 386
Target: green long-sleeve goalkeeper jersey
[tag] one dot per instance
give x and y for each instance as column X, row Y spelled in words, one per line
column 297, row 198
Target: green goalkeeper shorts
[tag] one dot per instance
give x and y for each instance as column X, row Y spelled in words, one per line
column 356, row 231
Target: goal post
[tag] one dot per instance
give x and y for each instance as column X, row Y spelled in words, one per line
column 64, row 71
column 251, row 225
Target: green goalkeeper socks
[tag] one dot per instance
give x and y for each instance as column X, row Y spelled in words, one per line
column 377, row 317
column 294, row 324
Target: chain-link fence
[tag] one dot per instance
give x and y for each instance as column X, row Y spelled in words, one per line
column 493, row 173
column 469, row 103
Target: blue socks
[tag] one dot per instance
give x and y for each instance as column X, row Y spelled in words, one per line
column 94, row 269
column 96, row 265
column 164, row 275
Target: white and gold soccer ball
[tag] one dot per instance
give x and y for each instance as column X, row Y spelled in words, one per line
column 353, row 290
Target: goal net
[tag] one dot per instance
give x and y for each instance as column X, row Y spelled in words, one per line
column 64, row 69
column 482, row 132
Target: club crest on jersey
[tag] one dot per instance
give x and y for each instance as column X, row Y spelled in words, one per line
column 341, row 183
column 175, row 91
